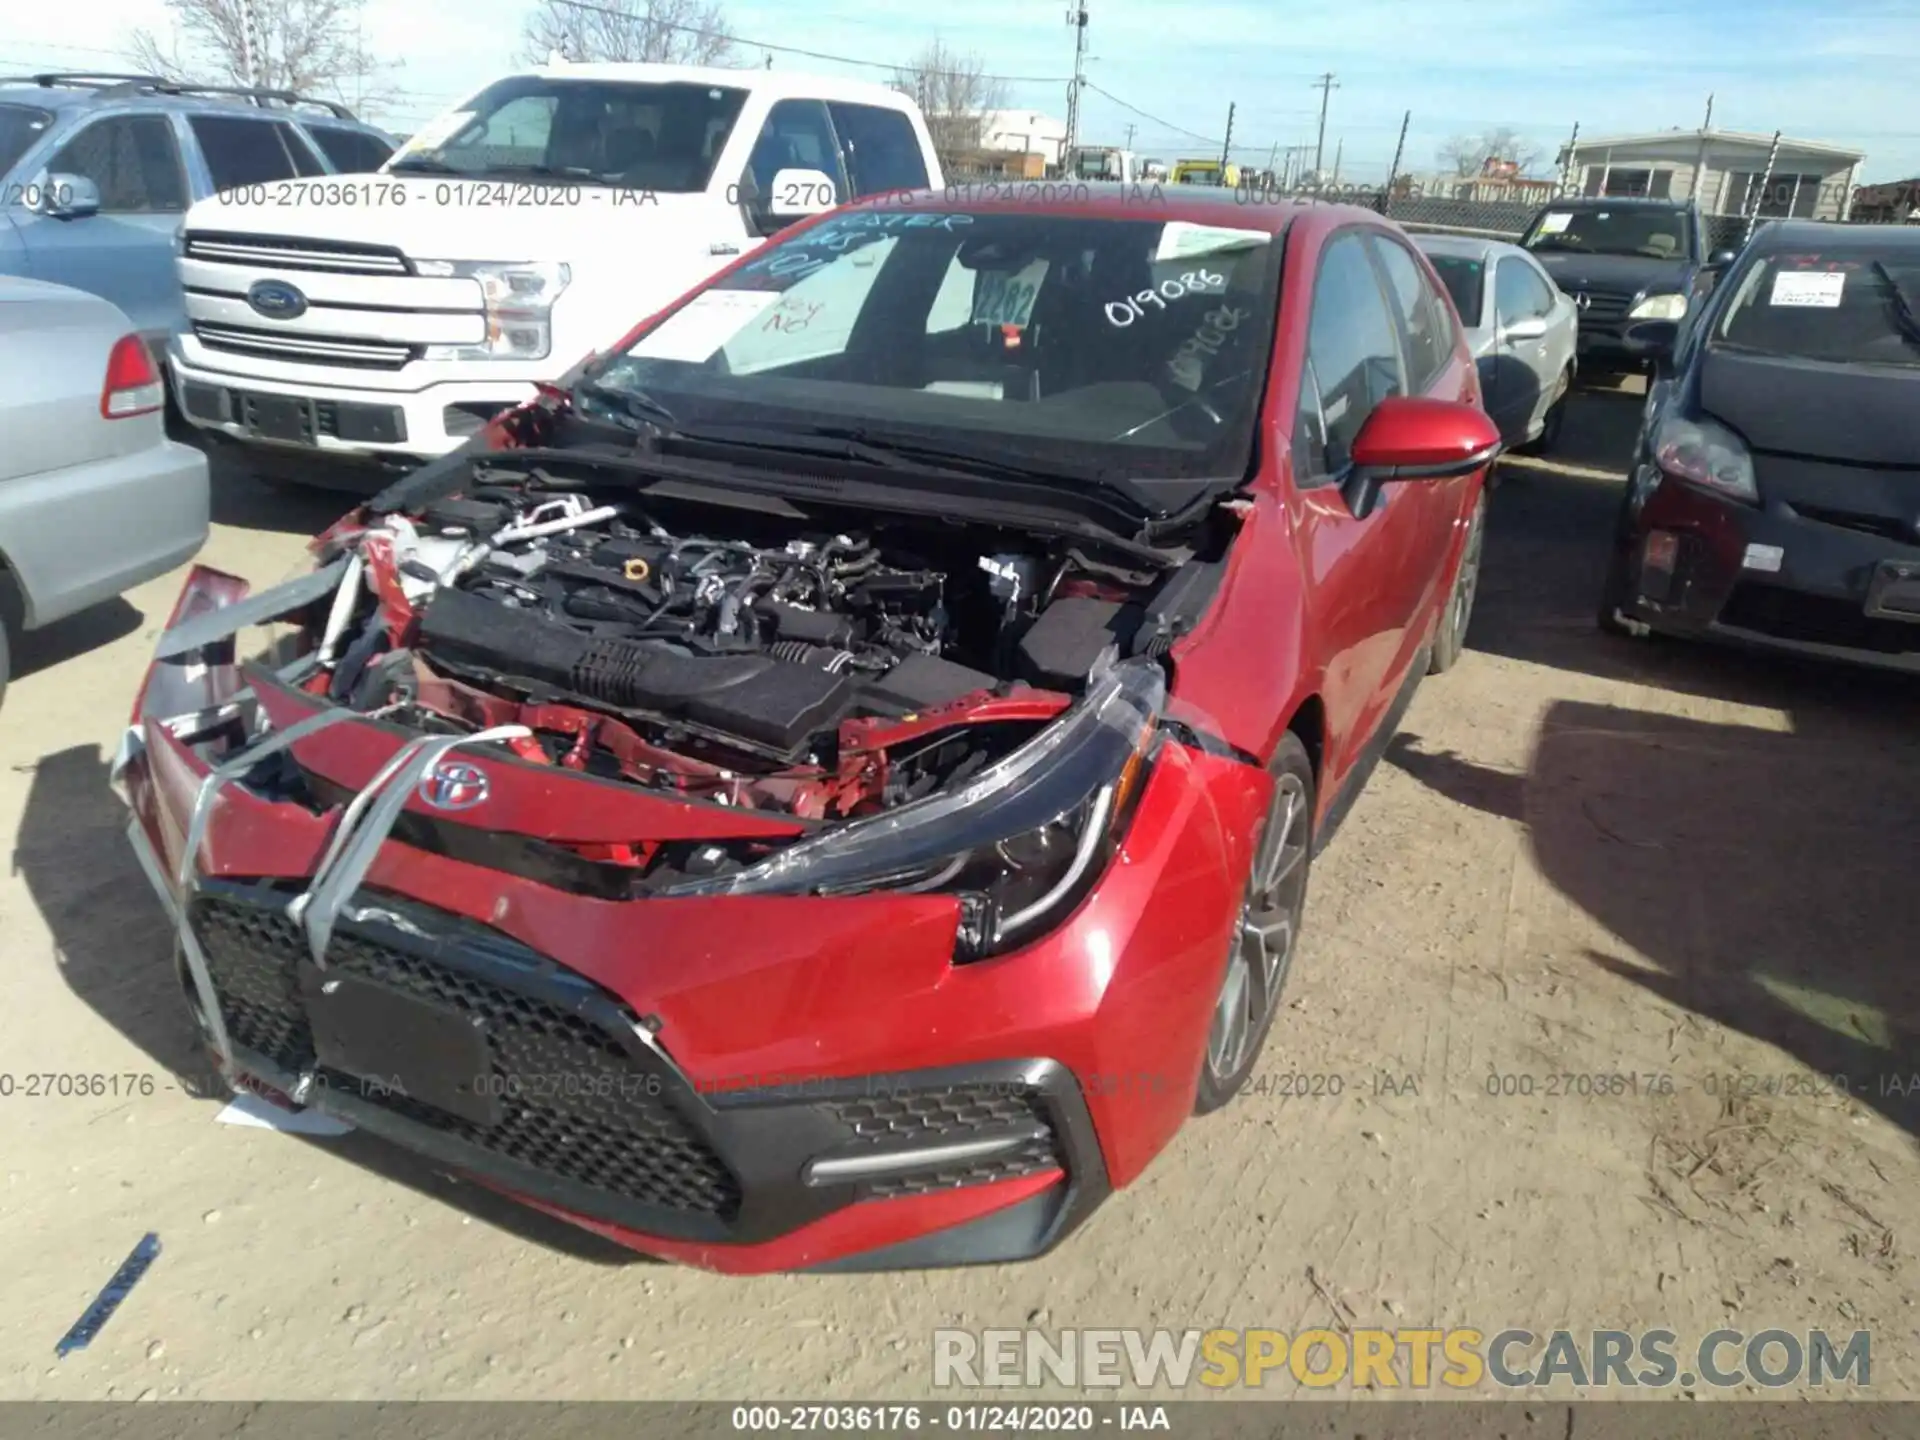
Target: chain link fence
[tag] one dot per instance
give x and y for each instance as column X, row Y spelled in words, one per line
column 1500, row 211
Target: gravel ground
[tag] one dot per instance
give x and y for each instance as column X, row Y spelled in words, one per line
column 1584, row 857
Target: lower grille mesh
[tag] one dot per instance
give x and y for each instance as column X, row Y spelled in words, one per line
column 961, row 1112
column 573, row 1105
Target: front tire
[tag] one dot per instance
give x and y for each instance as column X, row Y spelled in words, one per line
column 1267, row 933
column 1553, row 422
column 1450, row 640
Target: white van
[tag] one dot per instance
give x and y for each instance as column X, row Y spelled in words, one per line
column 386, row 318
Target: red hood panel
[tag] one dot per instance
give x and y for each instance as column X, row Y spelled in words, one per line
column 540, row 801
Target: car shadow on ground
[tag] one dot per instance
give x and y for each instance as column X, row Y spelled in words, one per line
column 1761, row 880
column 1766, row 874
column 111, row 940
column 243, row 500
column 92, row 628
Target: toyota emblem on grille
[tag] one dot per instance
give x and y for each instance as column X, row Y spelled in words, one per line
column 454, row 785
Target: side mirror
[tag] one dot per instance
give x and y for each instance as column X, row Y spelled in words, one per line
column 1409, row 437
column 1531, row 327
column 68, row 197
column 1721, row 259
column 797, row 194
column 1651, row 340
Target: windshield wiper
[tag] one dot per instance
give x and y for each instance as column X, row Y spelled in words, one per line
column 856, row 442
column 633, row 410
column 1903, row 309
column 422, row 165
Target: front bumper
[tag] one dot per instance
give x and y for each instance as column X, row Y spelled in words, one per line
column 339, row 422
column 745, row 1084
column 1727, row 583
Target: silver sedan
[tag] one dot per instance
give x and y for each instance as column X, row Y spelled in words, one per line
column 94, row 498
column 1522, row 329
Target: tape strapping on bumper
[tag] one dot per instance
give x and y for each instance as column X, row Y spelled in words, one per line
column 359, row 836
column 186, row 877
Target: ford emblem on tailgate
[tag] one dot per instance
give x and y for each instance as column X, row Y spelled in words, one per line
column 276, row 299
column 454, row 785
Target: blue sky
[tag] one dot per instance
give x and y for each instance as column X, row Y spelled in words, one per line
column 1838, row 72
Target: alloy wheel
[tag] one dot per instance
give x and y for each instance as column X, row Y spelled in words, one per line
column 1267, row 931
column 1466, row 585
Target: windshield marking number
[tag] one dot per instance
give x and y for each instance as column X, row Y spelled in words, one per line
column 1207, row 340
column 1122, row 313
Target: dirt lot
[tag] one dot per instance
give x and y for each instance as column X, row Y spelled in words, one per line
column 1585, row 857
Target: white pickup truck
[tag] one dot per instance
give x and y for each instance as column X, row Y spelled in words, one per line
column 341, row 326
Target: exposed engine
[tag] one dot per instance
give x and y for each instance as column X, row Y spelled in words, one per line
column 761, row 662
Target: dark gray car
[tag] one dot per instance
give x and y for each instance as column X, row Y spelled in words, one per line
column 1623, row 261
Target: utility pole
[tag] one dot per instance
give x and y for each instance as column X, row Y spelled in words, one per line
column 1076, row 17
column 1700, row 161
column 1226, row 149
column 1393, row 171
column 1130, row 130
column 1760, row 193
column 1326, row 85
column 249, row 43
column 1339, row 150
column 1566, row 160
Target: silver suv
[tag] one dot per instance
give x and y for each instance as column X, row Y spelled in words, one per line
column 97, row 171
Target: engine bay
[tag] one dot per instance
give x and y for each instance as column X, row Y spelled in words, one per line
column 814, row 665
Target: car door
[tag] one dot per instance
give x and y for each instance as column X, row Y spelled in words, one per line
column 1526, row 368
column 797, row 135
column 1563, row 327
column 882, row 152
column 1365, row 574
column 1433, row 369
column 123, row 253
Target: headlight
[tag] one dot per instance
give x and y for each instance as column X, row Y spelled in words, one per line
column 518, row 298
column 1705, row 454
column 1660, row 307
column 1019, row 844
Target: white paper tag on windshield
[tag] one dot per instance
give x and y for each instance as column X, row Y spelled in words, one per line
column 1554, row 224
column 1180, row 240
column 703, row 325
column 1003, row 297
column 438, row 131
column 1818, row 289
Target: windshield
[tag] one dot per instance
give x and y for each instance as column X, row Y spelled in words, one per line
column 20, row 126
column 1655, row 234
column 664, row 138
column 1137, row 348
column 1465, row 281
column 1851, row 309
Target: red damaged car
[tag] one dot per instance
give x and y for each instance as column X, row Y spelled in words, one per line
column 831, row 784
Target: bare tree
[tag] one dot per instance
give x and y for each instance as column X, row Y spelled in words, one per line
column 1468, row 155
column 670, row 32
column 316, row 47
column 955, row 93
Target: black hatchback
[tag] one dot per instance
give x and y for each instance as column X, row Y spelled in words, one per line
column 1774, row 498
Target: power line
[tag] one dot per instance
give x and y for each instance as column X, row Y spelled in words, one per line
column 1163, row 124
column 745, row 43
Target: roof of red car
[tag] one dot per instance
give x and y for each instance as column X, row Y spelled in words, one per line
column 1145, row 200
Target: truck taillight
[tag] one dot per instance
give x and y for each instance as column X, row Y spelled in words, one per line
column 132, row 387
